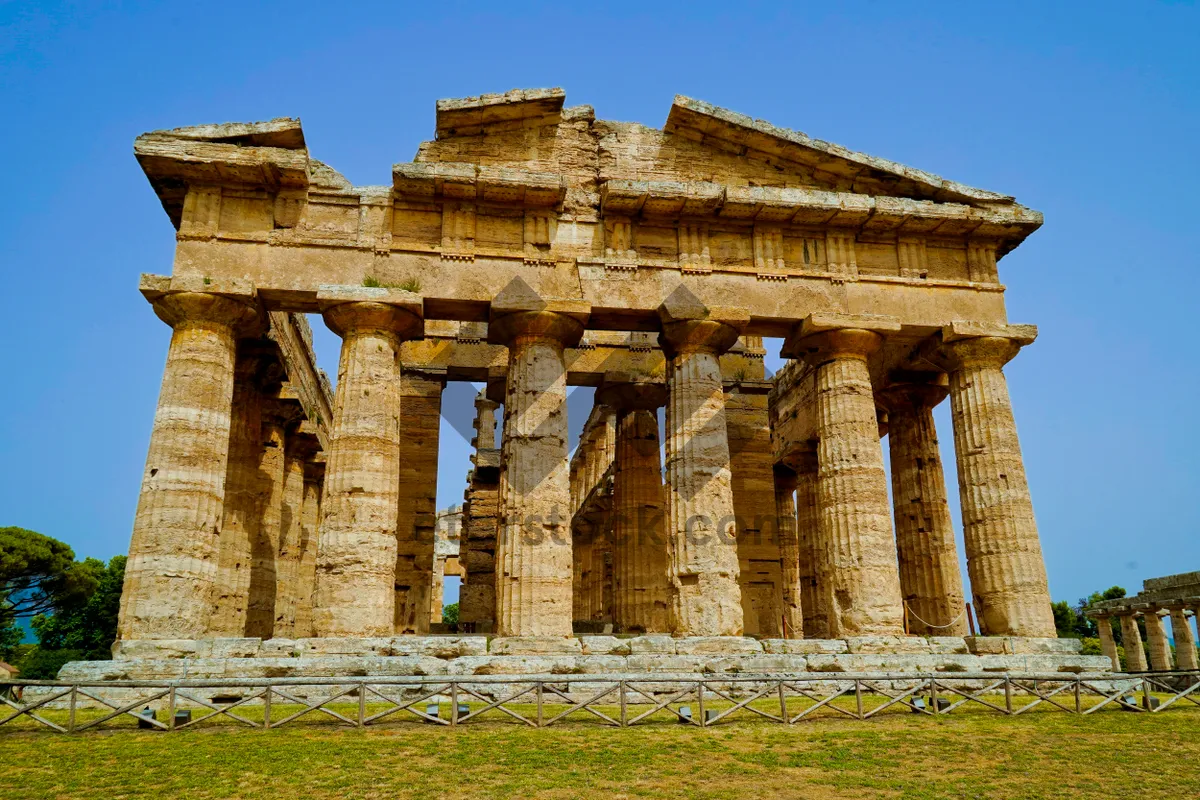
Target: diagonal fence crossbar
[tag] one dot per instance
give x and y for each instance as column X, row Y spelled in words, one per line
column 543, row 701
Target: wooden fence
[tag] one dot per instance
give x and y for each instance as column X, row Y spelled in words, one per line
column 541, row 702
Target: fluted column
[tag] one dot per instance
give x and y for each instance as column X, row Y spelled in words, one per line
column 1004, row 554
column 856, row 569
column 420, row 419
column 1185, row 640
column 789, row 552
column 701, row 529
column 641, row 591
column 808, row 537
column 930, row 579
column 1156, row 637
column 173, row 554
column 231, row 592
column 356, row 559
column 301, row 446
column 310, row 522
column 1131, row 640
column 1108, row 645
column 533, row 577
column 264, row 546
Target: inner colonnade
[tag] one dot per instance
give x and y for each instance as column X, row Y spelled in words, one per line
column 651, row 270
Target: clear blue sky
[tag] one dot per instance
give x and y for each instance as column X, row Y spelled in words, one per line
column 1087, row 112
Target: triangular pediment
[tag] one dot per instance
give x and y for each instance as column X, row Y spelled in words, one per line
column 825, row 165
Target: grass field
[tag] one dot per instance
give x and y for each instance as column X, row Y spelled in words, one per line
column 975, row 754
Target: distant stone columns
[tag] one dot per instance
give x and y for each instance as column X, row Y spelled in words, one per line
column 296, row 551
column 789, row 553
column 477, row 598
column 264, row 545
column 808, row 536
column 534, row 566
column 856, row 572
column 1004, row 554
column 930, row 579
column 1131, row 639
column 1108, row 645
column 173, row 556
column 310, row 523
column 641, row 590
column 1156, row 637
column 706, row 598
column 420, row 420
column 1185, row 640
column 356, row 560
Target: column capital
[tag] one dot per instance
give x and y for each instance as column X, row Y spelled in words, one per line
column 801, row 458
column 975, row 344
column 508, row 328
column 913, row 391
column 241, row 314
column 692, row 327
column 353, row 309
column 827, row 335
column 623, row 392
column 785, row 477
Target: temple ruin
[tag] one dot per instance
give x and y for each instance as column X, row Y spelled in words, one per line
column 530, row 247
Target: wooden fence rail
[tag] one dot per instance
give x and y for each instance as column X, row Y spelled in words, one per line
column 616, row 702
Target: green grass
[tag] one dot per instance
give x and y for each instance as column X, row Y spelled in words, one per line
column 969, row 754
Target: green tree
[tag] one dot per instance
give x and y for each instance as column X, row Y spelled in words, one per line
column 87, row 625
column 450, row 614
column 38, row 574
column 11, row 635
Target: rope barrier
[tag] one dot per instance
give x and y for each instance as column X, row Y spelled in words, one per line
column 930, row 624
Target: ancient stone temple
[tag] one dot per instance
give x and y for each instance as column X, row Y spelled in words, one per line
column 1174, row 597
column 530, row 247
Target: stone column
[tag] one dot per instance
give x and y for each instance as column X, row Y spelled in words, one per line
column 1004, row 554
column 1131, row 640
column 789, row 552
column 808, row 537
column 477, row 599
column 264, row 547
column 310, row 522
column 856, row 569
column 533, row 589
column 1185, row 640
column 240, row 520
column 356, row 559
column 641, row 591
column 173, row 554
column 1156, row 636
column 705, row 598
column 1108, row 645
column 420, row 419
column 748, row 431
column 930, row 580
column 302, row 445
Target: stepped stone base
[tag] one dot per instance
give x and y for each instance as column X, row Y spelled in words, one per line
column 608, row 656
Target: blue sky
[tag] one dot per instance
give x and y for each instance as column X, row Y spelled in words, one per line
column 1088, row 112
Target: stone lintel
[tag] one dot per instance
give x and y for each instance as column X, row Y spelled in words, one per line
column 153, row 287
column 960, row 329
column 330, row 295
column 628, row 392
